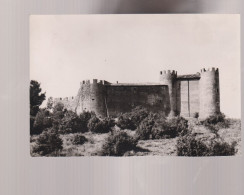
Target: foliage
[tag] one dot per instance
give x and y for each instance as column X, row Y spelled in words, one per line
column 96, row 125
column 216, row 122
column 144, row 131
column 156, row 126
column 71, row 123
column 42, row 121
column 59, row 106
column 32, row 121
column 196, row 115
column 125, row 122
column 48, row 143
column 50, row 103
column 85, row 116
column 189, row 145
column 138, row 114
column 118, row 143
column 79, row 139
column 36, row 97
column 131, row 120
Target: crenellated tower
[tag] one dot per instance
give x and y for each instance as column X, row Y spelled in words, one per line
column 168, row 77
column 92, row 97
column 209, row 93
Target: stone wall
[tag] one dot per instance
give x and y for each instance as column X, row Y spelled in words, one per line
column 121, row 98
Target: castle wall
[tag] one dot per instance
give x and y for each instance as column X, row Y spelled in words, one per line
column 122, row 99
column 184, row 95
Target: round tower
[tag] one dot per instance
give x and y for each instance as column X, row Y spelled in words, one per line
column 168, row 77
column 98, row 98
column 209, row 97
column 92, row 97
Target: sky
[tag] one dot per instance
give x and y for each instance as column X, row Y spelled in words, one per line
column 66, row 49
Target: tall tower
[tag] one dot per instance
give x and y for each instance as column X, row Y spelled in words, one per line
column 168, row 77
column 209, row 93
column 92, row 97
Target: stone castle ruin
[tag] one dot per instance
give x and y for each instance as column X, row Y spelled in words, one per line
column 184, row 95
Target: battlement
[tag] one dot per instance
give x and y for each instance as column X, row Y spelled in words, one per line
column 209, row 70
column 64, row 99
column 172, row 72
column 94, row 81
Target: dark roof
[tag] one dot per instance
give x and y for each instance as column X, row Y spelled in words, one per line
column 135, row 84
column 189, row 77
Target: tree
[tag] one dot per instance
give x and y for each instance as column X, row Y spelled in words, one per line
column 36, row 97
column 43, row 120
column 50, row 103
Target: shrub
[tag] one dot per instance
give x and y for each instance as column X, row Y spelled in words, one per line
column 85, row 116
column 216, row 122
column 196, row 115
column 72, row 123
column 125, row 122
column 117, row 144
column 48, row 143
column 144, row 131
column 79, row 140
column 156, row 127
column 138, row 114
column 189, row 145
column 131, row 120
column 96, row 125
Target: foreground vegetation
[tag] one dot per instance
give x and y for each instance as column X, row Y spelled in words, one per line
column 59, row 132
column 56, row 131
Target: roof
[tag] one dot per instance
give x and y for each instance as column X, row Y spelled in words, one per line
column 189, row 77
column 135, row 84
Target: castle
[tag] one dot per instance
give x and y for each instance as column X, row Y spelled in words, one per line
column 173, row 95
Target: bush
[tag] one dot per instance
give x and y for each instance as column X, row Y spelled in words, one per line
column 85, row 116
column 72, row 123
column 196, row 115
column 138, row 114
column 216, row 122
column 117, row 144
column 96, row 125
column 131, row 120
column 144, row 131
column 48, row 143
column 189, row 145
column 79, row 140
column 125, row 122
column 156, row 127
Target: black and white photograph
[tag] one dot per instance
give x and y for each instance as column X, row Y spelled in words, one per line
column 135, row 85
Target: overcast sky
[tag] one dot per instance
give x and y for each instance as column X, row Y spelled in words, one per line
column 66, row 49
